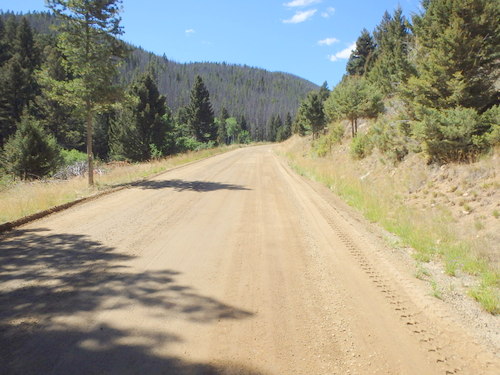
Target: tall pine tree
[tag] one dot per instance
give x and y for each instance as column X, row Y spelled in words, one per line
column 201, row 115
column 143, row 127
column 392, row 67
column 361, row 59
column 88, row 40
column 457, row 61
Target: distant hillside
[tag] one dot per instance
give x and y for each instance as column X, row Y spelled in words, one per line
column 254, row 93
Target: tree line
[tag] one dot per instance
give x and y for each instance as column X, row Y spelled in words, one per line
column 438, row 72
column 68, row 85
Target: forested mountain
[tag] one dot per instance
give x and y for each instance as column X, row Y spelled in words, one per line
column 246, row 91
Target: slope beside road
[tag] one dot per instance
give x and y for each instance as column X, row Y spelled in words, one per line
column 233, row 265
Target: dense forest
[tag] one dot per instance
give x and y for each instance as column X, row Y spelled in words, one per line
column 430, row 84
column 245, row 92
column 153, row 110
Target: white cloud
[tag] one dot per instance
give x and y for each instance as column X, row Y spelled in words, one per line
column 344, row 54
column 301, row 3
column 328, row 13
column 301, row 16
column 328, row 41
column 190, row 32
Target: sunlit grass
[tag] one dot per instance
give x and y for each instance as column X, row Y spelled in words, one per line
column 21, row 199
column 428, row 232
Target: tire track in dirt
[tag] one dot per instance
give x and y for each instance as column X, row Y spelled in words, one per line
column 438, row 343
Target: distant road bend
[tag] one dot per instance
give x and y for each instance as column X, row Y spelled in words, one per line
column 232, row 265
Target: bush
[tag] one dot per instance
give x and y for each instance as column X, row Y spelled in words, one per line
column 70, row 157
column 361, row 146
column 491, row 121
column 457, row 134
column 31, row 152
column 324, row 143
column 391, row 138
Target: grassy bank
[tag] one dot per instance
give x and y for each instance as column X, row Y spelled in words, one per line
column 26, row 198
column 431, row 233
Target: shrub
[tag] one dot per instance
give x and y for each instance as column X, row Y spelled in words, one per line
column 491, row 120
column 334, row 136
column 361, row 146
column 391, row 138
column 456, row 134
column 31, row 152
column 70, row 157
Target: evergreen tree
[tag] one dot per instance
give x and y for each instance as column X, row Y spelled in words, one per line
column 201, row 114
column 274, row 126
column 233, row 130
column 55, row 115
column 457, row 60
column 287, row 126
column 18, row 86
column 361, row 59
column 87, row 38
column 31, row 152
column 313, row 113
column 392, row 66
column 142, row 129
column 351, row 99
column 4, row 54
column 243, row 123
column 222, row 131
column 301, row 125
column 285, row 131
column 324, row 93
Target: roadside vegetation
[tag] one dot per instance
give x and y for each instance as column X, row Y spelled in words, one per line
column 22, row 198
column 418, row 96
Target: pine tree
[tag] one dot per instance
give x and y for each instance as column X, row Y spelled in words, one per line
column 361, row 59
column 324, row 92
column 222, row 131
column 31, row 152
column 57, row 116
column 87, row 38
column 275, row 124
column 285, row 131
column 4, row 46
column 201, row 114
column 457, row 54
column 243, row 123
column 142, row 129
column 351, row 99
column 18, row 86
column 392, row 67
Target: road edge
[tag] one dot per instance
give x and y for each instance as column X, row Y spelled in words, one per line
column 10, row 225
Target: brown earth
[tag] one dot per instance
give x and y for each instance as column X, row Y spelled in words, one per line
column 233, row 265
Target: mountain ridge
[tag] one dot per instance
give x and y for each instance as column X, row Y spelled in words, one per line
column 251, row 92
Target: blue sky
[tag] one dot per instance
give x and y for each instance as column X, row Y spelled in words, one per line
column 308, row 38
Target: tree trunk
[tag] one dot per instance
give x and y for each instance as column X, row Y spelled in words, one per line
column 90, row 154
column 352, row 128
column 355, row 126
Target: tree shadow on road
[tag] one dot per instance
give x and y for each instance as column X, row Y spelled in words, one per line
column 45, row 277
column 182, row 185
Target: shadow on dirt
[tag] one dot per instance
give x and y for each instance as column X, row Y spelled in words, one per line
column 181, row 185
column 47, row 279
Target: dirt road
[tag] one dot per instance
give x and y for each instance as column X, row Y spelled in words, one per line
column 233, row 265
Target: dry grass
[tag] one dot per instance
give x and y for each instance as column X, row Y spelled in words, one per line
column 431, row 233
column 25, row 198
